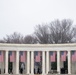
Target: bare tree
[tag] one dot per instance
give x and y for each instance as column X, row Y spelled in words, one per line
column 14, row 38
column 41, row 32
column 30, row 39
column 2, row 41
column 56, row 32
column 62, row 31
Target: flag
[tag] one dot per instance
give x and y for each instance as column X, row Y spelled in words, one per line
column 12, row 56
column 63, row 55
column 52, row 56
column 37, row 56
column 1, row 56
column 22, row 56
column 73, row 56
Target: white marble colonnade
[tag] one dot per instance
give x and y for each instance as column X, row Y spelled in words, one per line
column 45, row 49
column 30, row 66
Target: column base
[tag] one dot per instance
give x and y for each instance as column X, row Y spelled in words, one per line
column 6, row 73
column 43, row 74
column 31, row 74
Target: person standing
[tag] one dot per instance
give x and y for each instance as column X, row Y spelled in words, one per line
column 22, row 68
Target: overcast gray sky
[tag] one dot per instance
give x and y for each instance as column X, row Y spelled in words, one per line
column 22, row 15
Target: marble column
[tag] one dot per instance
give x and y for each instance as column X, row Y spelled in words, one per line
column 28, row 62
column 6, row 62
column 43, row 62
column 17, row 62
column 25, row 70
column 58, row 61
column 32, row 62
column 14, row 63
column 2, row 63
column 47, row 62
column 69, row 62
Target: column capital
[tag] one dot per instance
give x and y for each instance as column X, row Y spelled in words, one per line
column 47, row 51
column 28, row 51
column 68, row 51
column 31, row 51
column 6, row 51
column 58, row 51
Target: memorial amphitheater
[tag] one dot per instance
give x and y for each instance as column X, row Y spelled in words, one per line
column 46, row 64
